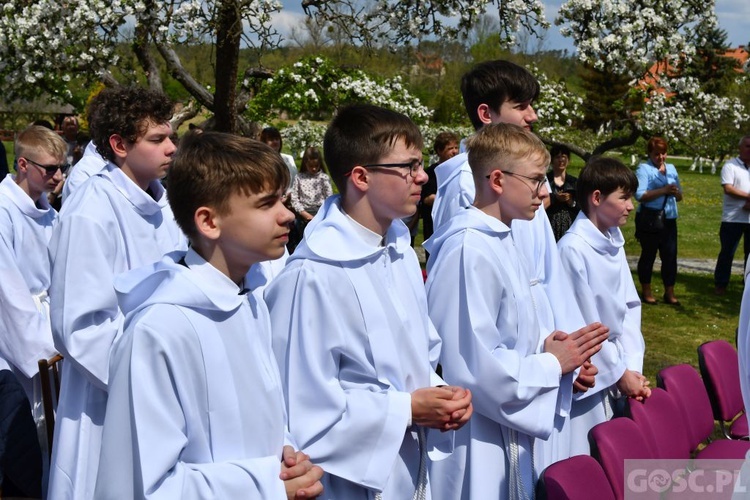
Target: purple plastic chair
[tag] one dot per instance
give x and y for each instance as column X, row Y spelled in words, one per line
column 683, row 383
column 612, row 443
column 576, row 478
column 661, row 423
column 720, row 370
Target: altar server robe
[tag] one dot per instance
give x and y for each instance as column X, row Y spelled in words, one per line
column 90, row 164
column 195, row 407
column 25, row 332
column 107, row 227
column 550, row 285
column 480, row 301
column 353, row 340
column 604, row 291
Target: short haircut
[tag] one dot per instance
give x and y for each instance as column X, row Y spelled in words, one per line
column 657, row 144
column 558, row 149
column 361, row 134
column 500, row 146
column 442, row 140
column 36, row 140
column 127, row 112
column 311, row 153
column 495, row 82
column 269, row 133
column 210, row 167
column 739, row 144
column 605, row 174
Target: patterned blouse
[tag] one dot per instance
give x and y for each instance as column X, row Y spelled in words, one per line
column 309, row 191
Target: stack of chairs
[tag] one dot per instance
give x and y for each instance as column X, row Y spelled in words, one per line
column 676, row 423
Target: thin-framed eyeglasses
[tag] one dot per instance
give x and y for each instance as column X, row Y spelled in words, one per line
column 414, row 166
column 50, row 169
column 539, row 182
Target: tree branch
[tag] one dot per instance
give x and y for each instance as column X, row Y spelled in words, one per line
column 178, row 72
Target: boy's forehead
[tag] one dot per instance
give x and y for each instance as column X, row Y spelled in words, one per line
column 151, row 127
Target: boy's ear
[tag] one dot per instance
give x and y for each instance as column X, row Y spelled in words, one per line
column 484, row 114
column 207, row 222
column 22, row 166
column 359, row 179
column 117, row 143
column 497, row 182
column 596, row 198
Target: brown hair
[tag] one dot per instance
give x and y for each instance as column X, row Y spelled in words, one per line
column 657, row 144
column 210, row 167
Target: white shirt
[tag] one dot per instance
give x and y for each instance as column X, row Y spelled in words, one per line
column 91, row 163
column 736, row 174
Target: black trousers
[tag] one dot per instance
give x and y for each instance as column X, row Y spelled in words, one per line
column 664, row 242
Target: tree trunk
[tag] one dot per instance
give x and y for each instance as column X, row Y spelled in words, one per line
column 228, row 33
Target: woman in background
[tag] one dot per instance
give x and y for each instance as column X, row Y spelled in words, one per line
column 272, row 137
column 562, row 209
column 658, row 189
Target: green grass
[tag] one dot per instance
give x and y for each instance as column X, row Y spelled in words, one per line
column 9, row 155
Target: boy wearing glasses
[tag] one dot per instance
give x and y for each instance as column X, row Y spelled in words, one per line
column 481, row 302
column 502, row 92
column 118, row 220
column 354, row 344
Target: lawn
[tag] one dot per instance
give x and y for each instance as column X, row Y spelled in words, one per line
column 673, row 333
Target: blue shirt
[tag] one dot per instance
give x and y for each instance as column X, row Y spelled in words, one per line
column 649, row 178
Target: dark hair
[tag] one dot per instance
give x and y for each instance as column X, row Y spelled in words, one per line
column 559, row 149
column 209, row 167
column 270, row 133
column 362, row 133
column 495, row 82
column 656, row 144
column 442, row 140
column 127, row 112
column 311, row 153
column 605, row 174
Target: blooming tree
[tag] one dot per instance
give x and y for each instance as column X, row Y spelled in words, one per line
column 314, row 88
column 45, row 44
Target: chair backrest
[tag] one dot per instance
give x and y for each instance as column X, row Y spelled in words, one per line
column 662, row 425
column 686, row 387
column 576, row 478
column 49, row 376
column 612, row 443
column 720, row 370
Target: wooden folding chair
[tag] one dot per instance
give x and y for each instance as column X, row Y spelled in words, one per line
column 49, row 375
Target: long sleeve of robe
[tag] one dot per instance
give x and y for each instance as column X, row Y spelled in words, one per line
column 353, row 340
column 108, row 227
column 25, row 231
column 604, row 291
column 479, row 299
column 195, row 407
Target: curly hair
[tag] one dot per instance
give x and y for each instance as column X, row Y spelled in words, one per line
column 127, row 112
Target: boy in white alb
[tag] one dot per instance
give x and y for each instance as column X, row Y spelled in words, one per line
column 352, row 337
column 480, row 300
column 118, row 220
column 592, row 253
column 195, row 407
column 26, row 224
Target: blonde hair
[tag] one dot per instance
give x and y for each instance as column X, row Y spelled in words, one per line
column 500, row 146
column 36, row 140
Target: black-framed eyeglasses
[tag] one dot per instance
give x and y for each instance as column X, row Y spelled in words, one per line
column 50, row 169
column 414, row 166
column 539, row 182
